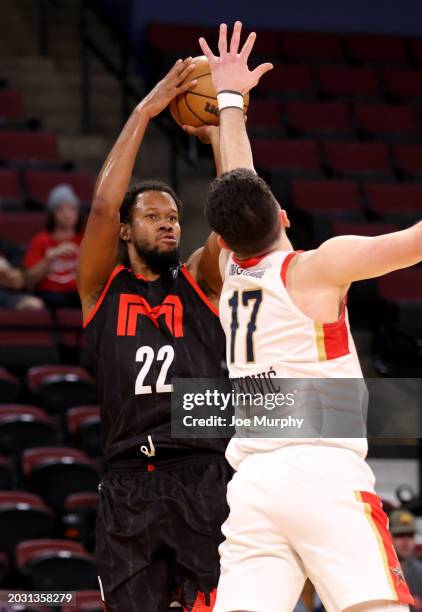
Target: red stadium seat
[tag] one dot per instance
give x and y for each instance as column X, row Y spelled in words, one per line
column 87, row 601
column 4, row 568
column 312, row 46
column 41, row 182
column 61, row 386
column 398, row 121
column 9, row 386
column 23, row 427
column 403, row 83
column 403, row 285
column 416, row 48
column 21, row 228
column 24, row 339
column 289, row 155
column 23, row 516
column 79, row 516
column 171, row 38
column 7, row 474
column 69, row 322
column 81, row 500
column 326, row 196
column 11, row 104
column 343, row 228
column 319, row 118
column 264, row 114
column 342, row 81
column 287, row 81
column 84, row 426
column 395, row 201
column 10, row 190
column 21, row 146
column 358, row 158
column 57, row 472
column 376, row 48
column 56, row 565
column 408, row 159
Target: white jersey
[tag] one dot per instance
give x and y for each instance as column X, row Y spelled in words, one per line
column 265, row 331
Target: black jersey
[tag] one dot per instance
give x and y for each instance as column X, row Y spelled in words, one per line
column 140, row 335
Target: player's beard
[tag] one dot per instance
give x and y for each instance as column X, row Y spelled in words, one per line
column 158, row 261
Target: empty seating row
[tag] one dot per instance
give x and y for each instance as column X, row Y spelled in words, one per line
column 295, row 45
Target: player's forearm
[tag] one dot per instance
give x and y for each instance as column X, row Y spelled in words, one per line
column 216, row 149
column 35, row 274
column 234, row 142
column 116, row 173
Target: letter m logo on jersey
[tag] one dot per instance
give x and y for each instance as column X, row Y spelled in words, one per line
column 131, row 307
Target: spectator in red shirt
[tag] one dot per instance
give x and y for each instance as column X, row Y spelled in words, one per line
column 13, row 283
column 52, row 255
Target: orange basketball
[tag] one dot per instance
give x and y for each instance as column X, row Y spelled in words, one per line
column 199, row 106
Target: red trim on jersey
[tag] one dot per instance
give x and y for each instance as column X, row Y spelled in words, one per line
column 93, row 312
column 198, row 290
column 285, row 265
column 200, row 605
column 380, row 523
column 248, row 263
column 336, row 337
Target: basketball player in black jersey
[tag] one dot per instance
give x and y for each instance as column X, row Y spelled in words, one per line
column 162, row 500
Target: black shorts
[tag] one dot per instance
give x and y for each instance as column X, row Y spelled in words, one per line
column 158, row 533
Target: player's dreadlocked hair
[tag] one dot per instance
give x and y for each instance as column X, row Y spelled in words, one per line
column 241, row 208
column 129, row 201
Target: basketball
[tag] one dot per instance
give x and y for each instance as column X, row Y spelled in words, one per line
column 199, row 106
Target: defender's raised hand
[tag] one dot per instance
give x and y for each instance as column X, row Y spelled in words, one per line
column 230, row 70
column 174, row 83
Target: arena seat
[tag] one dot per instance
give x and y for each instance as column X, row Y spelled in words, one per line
column 4, row 568
column 287, row 81
column 316, row 203
column 48, row 565
column 84, row 427
column 402, row 285
column 358, row 159
column 10, row 190
column 403, row 83
column 416, row 48
column 21, row 228
column 312, row 46
column 79, row 516
column 347, row 81
column 7, row 473
column 87, row 601
column 26, row 340
column 40, row 182
column 69, row 332
column 396, row 202
column 23, row 516
column 9, row 386
column 27, row 148
column 11, row 104
column 264, row 115
column 23, row 427
column 61, row 387
column 399, row 122
column 57, row 472
column 291, row 156
column 319, row 118
column 326, row 196
column 408, row 159
column 345, row 228
column 174, row 38
column 369, row 48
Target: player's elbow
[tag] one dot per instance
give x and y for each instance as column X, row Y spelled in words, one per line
column 103, row 206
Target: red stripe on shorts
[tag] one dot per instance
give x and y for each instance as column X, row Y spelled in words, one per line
column 379, row 520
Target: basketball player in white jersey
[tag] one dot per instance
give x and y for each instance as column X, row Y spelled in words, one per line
column 298, row 507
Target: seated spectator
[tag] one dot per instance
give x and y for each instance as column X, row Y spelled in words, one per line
column 13, row 280
column 403, row 528
column 52, row 255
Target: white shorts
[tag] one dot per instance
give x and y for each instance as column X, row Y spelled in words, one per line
column 305, row 511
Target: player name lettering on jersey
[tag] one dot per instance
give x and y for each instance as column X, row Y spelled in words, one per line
column 236, row 270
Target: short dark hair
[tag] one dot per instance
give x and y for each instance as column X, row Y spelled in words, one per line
column 241, row 208
column 129, row 201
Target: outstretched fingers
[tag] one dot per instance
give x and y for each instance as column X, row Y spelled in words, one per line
column 207, row 51
column 235, row 41
column 222, row 40
column 248, row 46
column 260, row 71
